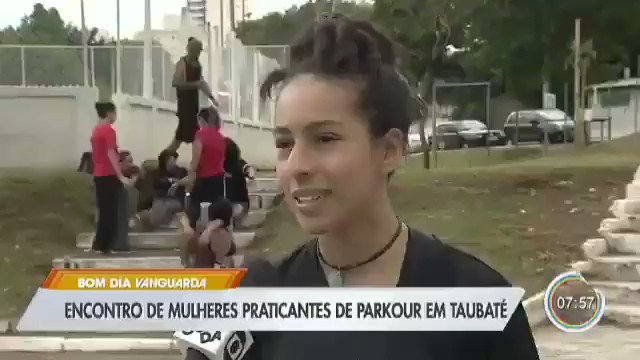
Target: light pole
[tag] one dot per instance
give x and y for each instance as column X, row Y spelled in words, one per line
column 577, row 111
column 147, row 83
column 85, row 49
column 118, row 51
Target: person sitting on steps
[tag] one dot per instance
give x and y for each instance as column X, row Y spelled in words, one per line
column 208, row 245
column 169, row 185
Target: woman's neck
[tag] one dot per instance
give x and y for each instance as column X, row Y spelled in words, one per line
column 104, row 122
column 359, row 239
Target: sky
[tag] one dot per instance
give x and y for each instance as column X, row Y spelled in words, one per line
column 102, row 13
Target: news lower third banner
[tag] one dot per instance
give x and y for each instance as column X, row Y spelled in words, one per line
column 203, row 300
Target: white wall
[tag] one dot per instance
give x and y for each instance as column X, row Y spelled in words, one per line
column 145, row 127
column 45, row 127
column 625, row 120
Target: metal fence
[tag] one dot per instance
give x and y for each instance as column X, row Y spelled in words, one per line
column 239, row 71
column 52, row 65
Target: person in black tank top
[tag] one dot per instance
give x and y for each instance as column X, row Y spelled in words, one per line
column 188, row 81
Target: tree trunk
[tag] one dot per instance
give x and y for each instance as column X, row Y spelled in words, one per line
column 426, row 160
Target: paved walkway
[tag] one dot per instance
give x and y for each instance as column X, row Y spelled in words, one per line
column 90, row 356
column 600, row 343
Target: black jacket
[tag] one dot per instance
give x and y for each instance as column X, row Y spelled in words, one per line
column 428, row 263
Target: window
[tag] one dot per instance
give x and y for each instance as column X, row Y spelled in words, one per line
column 614, row 97
column 443, row 129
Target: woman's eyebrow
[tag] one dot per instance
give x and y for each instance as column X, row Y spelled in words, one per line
column 313, row 126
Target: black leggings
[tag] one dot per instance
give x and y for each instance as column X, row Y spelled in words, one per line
column 108, row 189
column 209, row 189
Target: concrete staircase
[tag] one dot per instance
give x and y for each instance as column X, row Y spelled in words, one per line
column 613, row 260
column 159, row 249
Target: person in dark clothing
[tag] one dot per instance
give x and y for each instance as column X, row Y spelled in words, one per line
column 341, row 123
column 236, row 182
column 188, row 81
column 169, row 187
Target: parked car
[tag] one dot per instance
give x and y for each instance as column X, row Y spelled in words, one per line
column 460, row 134
column 530, row 125
column 472, row 132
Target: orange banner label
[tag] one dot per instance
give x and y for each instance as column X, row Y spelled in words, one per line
column 148, row 280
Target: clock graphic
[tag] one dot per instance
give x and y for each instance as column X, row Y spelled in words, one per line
column 571, row 304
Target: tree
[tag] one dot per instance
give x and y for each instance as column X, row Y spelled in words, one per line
column 424, row 29
column 282, row 28
column 42, row 66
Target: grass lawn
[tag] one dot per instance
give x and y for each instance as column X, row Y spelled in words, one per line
column 526, row 217
column 513, row 214
column 40, row 215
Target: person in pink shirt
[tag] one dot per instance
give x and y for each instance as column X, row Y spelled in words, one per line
column 107, row 175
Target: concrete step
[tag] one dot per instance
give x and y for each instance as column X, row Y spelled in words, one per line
column 264, row 184
column 625, row 208
column 161, row 240
column 616, row 267
column 134, row 260
column 264, row 199
column 627, row 315
column 254, row 220
column 594, row 247
column 619, row 292
column 627, row 243
column 633, row 190
column 616, row 225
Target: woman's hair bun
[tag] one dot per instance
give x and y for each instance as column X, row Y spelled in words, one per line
column 336, row 46
column 339, row 46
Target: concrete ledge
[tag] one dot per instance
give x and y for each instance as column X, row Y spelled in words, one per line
column 113, row 262
column 594, row 247
column 141, row 240
column 6, row 326
column 31, row 344
column 139, row 262
column 265, row 184
column 110, row 344
column 263, row 200
column 628, row 315
column 624, row 242
column 619, row 292
column 534, row 307
column 160, row 240
column 61, row 344
column 254, row 219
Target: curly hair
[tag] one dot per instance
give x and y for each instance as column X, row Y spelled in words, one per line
column 336, row 47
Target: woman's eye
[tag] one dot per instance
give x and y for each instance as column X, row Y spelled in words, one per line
column 325, row 138
column 283, row 144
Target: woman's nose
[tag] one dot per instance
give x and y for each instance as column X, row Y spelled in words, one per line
column 300, row 161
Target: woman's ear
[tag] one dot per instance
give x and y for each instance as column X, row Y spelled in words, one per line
column 394, row 149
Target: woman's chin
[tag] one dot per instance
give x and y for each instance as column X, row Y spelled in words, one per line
column 316, row 225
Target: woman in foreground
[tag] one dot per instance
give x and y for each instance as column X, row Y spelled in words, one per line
column 342, row 117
